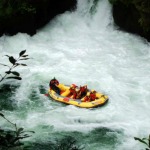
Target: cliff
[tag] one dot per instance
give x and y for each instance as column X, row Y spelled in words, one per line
column 133, row 16
column 27, row 16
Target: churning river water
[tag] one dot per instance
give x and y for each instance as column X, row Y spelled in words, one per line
column 81, row 47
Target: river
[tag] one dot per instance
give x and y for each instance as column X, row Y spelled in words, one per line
column 81, row 47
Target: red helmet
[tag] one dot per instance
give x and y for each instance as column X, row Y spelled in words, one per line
column 74, row 86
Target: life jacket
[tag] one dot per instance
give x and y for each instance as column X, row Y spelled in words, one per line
column 83, row 88
column 92, row 96
column 73, row 92
column 86, row 99
column 83, row 91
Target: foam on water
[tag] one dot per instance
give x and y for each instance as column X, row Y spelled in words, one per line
column 83, row 49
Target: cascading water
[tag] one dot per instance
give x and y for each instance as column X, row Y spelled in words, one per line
column 82, row 47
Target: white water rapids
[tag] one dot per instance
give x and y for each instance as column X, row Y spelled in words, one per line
column 83, row 48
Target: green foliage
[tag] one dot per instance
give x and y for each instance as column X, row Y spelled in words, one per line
column 25, row 7
column 68, row 143
column 12, row 7
column 9, row 74
column 12, row 138
column 142, row 5
column 113, row 1
column 144, row 141
column 126, row 2
column 143, row 8
column 145, row 23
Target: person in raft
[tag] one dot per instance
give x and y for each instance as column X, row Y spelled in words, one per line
column 82, row 91
column 73, row 91
column 90, row 96
column 53, row 84
column 87, row 98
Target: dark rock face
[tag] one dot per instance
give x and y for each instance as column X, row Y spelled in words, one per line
column 50, row 8
column 20, row 23
column 29, row 21
column 127, row 18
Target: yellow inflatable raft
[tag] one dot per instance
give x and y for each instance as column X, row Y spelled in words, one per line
column 65, row 98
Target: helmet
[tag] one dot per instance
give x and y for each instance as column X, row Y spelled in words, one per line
column 73, row 85
column 85, row 86
column 93, row 91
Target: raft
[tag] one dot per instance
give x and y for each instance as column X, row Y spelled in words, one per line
column 65, row 97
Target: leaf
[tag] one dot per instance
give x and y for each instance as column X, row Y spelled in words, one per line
column 22, row 137
column 31, row 131
column 12, row 60
column 2, row 115
column 17, row 78
column 8, row 72
column 19, row 130
column 15, row 73
column 140, row 140
column 24, row 59
column 4, row 65
column 17, row 64
column 7, row 55
column 144, row 139
column 25, row 55
column 23, row 64
column 22, row 52
column 27, row 147
column 26, row 136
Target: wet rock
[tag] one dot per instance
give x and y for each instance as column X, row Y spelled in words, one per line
column 128, row 17
column 27, row 16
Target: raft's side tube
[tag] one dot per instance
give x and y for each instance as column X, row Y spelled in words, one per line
column 65, row 90
column 66, row 93
column 62, row 87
